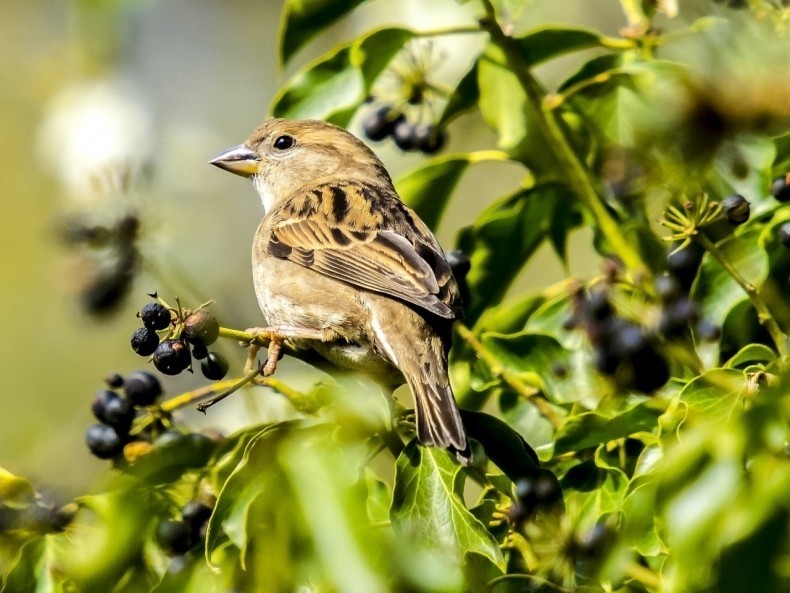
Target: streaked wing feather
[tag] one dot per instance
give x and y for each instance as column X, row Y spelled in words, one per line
column 381, row 260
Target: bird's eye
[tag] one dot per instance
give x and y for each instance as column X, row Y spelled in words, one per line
column 283, row 142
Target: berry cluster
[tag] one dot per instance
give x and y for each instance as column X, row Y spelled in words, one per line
column 386, row 120
column 116, row 412
column 623, row 350
column 177, row 537
column 403, row 105
column 183, row 329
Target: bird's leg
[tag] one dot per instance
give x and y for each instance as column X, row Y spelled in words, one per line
column 276, row 336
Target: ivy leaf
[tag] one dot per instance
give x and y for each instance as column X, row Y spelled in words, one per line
column 254, row 474
column 322, row 478
column 713, row 396
column 715, row 291
column 463, row 98
column 533, row 357
column 30, row 571
column 594, row 490
column 428, row 188
column 592, row 428
column 750, row 354
column 428, row 503
column 334, row 86
column 168, row 461
column 544, row 43
column 505, row 236
column 503, row 445
column 15, row 489
column 304, row 19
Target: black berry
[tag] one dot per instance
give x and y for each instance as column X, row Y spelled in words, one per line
column 196, row 514
column 201, row 327
column 677, row 316
column 103, row 441
column 171, row 357
column 142, row 388
column 114, row 380
column 155, row 316
column 175, row 537
column 736, row 208
column 784, row 234
column 114, row 410
column 707, row 331
column 199, row 351
column 650, row 370
column 667, row 287
column 144, row 341
column 598, row 307
column 404, row 134
column 214, row 366
column 428, row 139
column 683, row 264
column 378, row 124
column 780, row 189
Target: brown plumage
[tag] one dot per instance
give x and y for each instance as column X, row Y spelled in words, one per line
column 342, row 265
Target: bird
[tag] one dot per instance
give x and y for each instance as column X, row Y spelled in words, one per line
column 342, row 266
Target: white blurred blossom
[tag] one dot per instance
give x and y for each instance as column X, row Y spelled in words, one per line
column 96, row 139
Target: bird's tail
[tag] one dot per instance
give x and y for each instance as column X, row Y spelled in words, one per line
column 423, row 363
column 438, row 419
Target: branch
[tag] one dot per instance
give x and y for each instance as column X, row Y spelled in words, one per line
column 553, row 129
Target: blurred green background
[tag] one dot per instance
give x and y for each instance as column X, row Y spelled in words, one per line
column 166, row 85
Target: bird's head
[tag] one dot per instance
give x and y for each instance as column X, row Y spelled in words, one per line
column 283, row 155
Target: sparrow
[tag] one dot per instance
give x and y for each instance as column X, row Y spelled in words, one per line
column 342, row 266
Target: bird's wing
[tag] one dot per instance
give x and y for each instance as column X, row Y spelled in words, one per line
column 367, row 237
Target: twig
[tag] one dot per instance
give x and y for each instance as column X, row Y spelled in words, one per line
column 514, row 382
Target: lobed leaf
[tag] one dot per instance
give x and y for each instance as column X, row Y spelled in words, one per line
column 428, row 505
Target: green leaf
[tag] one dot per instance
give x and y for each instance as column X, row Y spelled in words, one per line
column 504, row 107
column 593, row 491
column 322, row 478
column 378, row 499
column 428, row 504
column 254, row 474
column 750, row 354
column 14, row 489
column 525, row 418
column 713, row 396
column 544, row 43
column 334, row 86
column 463, row 98
column 304, row 19
column 714, row 289
column 591, row 429
column 533, row 357
column 30, row 571
column 607, row 96
column 515, row 225
column 168, row 461
column 639, row 504
column 428, row 188
column 503, row 445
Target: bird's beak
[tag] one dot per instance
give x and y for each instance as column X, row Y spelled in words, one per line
column 240, row 160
